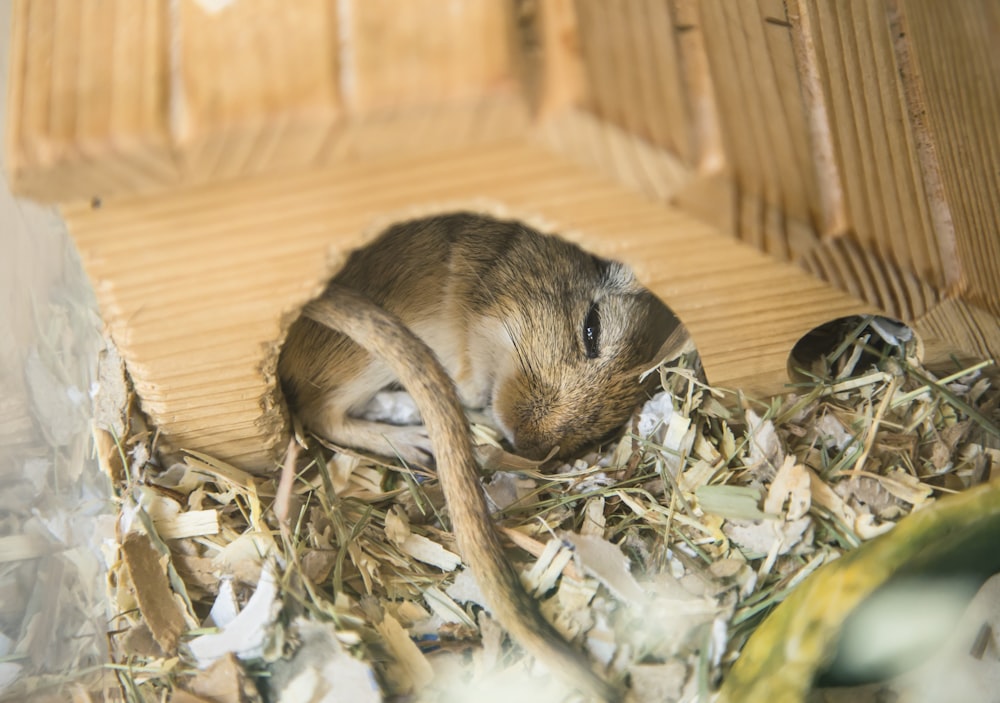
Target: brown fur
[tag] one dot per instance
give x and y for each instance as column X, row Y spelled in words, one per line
column 383, row 334
column 503, row 307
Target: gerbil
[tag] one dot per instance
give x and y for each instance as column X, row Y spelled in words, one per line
column 383, row 334
column 546, row 338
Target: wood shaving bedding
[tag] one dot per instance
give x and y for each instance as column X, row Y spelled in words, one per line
column 659, row 555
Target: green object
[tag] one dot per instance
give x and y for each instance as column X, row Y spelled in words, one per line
column 780, row 661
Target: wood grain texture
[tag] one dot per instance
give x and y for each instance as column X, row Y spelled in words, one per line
column 833, row 217
column 845, row 264
column 957, row 61
column 421, row 52
column 713, row 198
column 643, row 114
column 707, row 156
column 637, row 77
column 971, row 331
column 720, row 201
column 864, row 147
column 427, row 130
column 241, row 152
column 871, row 115
column 762, row 114
column 114, row 97
column 199, row 301
column 622, row 156
column 256, row 85
column 547, row 52
column 87, row 108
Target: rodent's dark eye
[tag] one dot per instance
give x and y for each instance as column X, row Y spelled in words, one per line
column 592, row 332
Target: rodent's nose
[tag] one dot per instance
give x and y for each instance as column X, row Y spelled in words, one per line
column 529, row 446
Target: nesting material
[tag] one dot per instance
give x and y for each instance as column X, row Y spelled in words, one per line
column 54, row 510
column 338, row 576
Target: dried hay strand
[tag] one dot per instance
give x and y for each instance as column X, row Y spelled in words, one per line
column 337, row 578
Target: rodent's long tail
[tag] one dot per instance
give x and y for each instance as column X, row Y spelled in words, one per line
column 385, row 336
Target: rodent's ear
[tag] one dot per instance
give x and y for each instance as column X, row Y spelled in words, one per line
column 617, row 276
column 677, row 342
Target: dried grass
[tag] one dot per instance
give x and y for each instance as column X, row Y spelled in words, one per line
column 659, row 555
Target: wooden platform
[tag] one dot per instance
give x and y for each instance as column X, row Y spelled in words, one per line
column 765, row 166
column 199, row 285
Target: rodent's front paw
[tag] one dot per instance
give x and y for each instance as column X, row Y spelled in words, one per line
column 411, row 443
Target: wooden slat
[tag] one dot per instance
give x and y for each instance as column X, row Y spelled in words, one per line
column 970, row 330
column 114, row 97
column 707, row 155
column 623, row 156
column 199, row 303
column 423, row 52
column 425, row 130
column 833, row 217
column 633, row 65
column 87, row 107
column 548, row 54
column 842, row 262
column 953, row 47
column 762, row 116
column 871, row 114
column 256, row 86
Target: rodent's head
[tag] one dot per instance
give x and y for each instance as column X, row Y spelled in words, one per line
column 580, row 332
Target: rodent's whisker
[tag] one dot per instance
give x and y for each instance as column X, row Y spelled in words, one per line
column 523, row 362
column 446, row 282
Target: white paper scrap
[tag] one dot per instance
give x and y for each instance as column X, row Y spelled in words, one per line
column 430, row 552
column 225, row 608
column 655, row 416
column 606, row 561
column 246, row 635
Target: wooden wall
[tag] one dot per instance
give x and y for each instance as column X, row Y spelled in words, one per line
column 765, row 165
column 126, row 96
column 856, row 138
